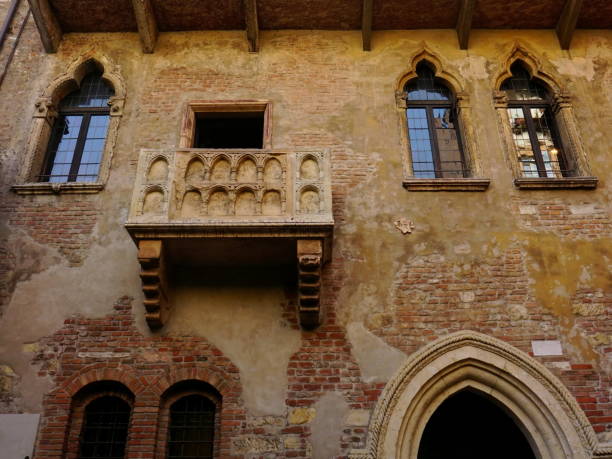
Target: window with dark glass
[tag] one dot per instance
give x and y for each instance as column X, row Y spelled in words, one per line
column 105, row 429
column 192, row 428
column 435, row 143
column 77, row 141
column 242, row 129
column 533, row 126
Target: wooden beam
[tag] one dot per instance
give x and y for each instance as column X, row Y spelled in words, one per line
column 252, row 25
column 567, row 22
column 48, row 27
column 366, row 24
column 464, row 22
column 147, row 25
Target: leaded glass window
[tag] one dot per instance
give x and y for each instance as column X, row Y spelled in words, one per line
column 192, row 428
column 77, row 141
column 433, row 133
column 105, row 429
column 533, row 126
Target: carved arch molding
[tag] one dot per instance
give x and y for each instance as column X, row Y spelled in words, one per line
column 545, row 410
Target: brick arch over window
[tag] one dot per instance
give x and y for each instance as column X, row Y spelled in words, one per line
column 56, row 436
column 562, row 116
column 464, row 127
column 215, row 384
column 46, row 112
column 176, row 393
column 546, row 412
column 81, row 401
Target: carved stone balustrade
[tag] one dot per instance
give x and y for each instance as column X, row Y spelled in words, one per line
column 203, row 207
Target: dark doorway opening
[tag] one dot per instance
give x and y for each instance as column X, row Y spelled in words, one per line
column 229, row 130
column 469, row 426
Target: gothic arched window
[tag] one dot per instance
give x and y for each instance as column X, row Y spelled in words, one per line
column 433, row 134
column 534, row 131
column 77, row 141
column 192, row 428
column 105, row 428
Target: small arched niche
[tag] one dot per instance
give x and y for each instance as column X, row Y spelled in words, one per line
column 195, row 171
column 246, row 204
column 310, row 201
column 309, row 169
column 158, row 171
column 192, row 204
column 271, row 203
column 220, row 171
column 247, row 171
column 219, row 203
column 273, row 171
column 153, row 203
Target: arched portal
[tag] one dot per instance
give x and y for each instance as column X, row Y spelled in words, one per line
column 536, row 401
column 468, row 425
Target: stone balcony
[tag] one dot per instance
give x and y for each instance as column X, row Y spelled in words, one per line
column 218, row 207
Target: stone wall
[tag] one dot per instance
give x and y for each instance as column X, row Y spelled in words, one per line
column 517, row 265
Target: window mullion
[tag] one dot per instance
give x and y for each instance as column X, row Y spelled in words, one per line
column 78, row 150
column 435, row 152
column 533, row 138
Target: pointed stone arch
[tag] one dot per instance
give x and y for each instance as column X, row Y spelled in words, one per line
column 534, row 65
column 440, row 69
column 71, row 78
column 542, row 407
column 46, row 112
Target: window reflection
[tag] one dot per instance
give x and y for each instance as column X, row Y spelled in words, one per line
column 533, row 132
column 432, row 130
column 79, row 133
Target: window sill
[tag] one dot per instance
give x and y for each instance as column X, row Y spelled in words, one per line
column 446, row 184
column 543, row 183
column 57, row 188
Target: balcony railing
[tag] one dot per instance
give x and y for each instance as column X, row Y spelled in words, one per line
column 196, row 189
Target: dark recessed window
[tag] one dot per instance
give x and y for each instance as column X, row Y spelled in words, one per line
column 79, row 133
column 534, row 130
column 433, row 132
column 229, row 130
column 105, row 429
column 192, row 428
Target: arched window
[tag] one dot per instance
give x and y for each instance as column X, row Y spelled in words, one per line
column 192, row 427
column 105, row 428
column 533, row 126
column 77, row 140
column 435, row 143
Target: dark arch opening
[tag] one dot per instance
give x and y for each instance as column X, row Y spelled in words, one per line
column 468, row 426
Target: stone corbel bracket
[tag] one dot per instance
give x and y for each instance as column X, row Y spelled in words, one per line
column 310, row 261
column 154, row 285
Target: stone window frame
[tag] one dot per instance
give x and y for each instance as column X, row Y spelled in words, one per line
column 174, row 393
column 563, row 114
column 476, row 181
column 45, row 114
column 188, row 124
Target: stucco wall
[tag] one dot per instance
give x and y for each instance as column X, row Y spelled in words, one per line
column 517, row 265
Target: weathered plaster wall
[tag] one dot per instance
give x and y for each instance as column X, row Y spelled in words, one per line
column 518, row 265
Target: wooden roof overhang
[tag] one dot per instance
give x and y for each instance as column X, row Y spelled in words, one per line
column 149, row 17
